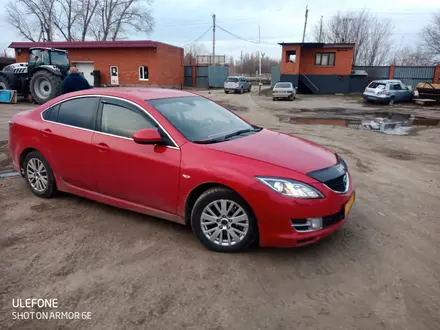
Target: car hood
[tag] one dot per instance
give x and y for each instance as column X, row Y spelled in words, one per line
column 280, row 149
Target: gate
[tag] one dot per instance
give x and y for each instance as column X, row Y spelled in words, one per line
column 188, row 76
column 217, row 76
column 412, row 75
column 275, row 75
column 202, row 74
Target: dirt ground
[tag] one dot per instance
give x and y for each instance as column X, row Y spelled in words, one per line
column 380, row 271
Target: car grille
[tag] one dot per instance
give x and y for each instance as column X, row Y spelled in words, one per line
column 332, row 219
column 339, row 184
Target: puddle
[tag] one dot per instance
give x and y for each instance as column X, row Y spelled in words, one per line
column 383, row 122
column 8, row 174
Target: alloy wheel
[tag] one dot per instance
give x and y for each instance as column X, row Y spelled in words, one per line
column 224, row 222
column 37, row 175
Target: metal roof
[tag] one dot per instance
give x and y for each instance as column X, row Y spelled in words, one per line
column 318, row 44
column 86, row 44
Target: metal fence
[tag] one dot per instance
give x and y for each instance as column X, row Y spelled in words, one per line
column 217, row 76
column 188, row 77
column 276, row 75
column 202, row 79
column 375, row 72
column 412, row 75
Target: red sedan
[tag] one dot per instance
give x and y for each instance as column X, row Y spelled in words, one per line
column 182, row 157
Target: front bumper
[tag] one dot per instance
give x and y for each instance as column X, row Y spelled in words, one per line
column 275, row 215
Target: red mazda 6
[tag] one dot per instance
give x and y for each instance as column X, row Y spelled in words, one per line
column 182, row 157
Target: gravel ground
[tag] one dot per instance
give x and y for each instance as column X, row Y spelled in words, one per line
column 380, row 271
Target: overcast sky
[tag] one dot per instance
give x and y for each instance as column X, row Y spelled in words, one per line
column 180, row 22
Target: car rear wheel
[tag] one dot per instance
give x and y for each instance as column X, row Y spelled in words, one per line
column 391, row 102
column 223, row 221
column 241, row 90
column 274, row 98
column 39, row 175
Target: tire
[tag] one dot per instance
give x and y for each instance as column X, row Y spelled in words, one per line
column 391, row 102
column 241, row 90
column 226, row 92
column 291, row 97
column 222, row 228
column 274, row 98
column 31, row 163
column 45, row 86
column 250, row 88
column 5, row 83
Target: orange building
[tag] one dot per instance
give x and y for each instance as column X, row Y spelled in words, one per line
column 317, row 68
column 123, row 63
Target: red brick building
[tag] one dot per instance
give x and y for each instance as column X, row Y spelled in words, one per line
column 133, row 63
column 318, row 68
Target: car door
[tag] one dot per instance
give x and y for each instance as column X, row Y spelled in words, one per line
column 67, row 129
column 139, row 173
column 407, row 93
column 397, row 91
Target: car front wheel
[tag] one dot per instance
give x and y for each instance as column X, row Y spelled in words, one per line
column 223, row 221
column 39, row 175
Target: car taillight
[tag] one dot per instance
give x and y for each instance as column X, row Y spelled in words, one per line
column 385, row 92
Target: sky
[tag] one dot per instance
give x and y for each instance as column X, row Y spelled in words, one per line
column 181, row 22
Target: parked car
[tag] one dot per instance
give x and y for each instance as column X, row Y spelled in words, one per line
column 283, row 90
column 237, row 84
column 387, row 91
column 182, row 157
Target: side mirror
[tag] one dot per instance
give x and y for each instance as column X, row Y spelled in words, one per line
column 147, row 136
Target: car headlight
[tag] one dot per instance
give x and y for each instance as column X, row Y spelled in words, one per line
column 291, row 188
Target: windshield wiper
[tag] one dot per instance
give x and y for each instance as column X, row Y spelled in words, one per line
column 242, row 131
column 209, row 141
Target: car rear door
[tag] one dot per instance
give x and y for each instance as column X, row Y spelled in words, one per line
column 139, row 173
column 67, row 130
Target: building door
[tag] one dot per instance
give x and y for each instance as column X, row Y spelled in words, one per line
column 87, row 70
column 114, row 75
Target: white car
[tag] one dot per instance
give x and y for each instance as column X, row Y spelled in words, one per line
column 284, row 90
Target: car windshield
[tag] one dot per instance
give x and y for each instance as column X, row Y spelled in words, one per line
column 232, row 79
column 59, row 58
column 199, row 119
column 283, row 85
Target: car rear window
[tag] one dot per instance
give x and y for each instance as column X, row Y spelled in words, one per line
column 232, row 79
column 283, row 85
column 377, row 85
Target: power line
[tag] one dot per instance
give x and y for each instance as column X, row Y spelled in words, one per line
column 204, row 33
column 236, row 36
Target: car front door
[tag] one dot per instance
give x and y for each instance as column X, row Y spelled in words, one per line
column 68, row 129
column 143, row 174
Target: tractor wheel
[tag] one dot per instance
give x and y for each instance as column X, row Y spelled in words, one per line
column 45, row 86
column 5, row 83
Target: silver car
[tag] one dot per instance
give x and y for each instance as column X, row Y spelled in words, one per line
column 284, row 90
column 237, row 84
column 387, row 91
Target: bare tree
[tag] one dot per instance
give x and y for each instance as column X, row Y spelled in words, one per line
column 32, row 18
column 370, row 35
column 431, row 36
column 114, row 16
column 409, row 56
column 192, row 51
column 49, row 20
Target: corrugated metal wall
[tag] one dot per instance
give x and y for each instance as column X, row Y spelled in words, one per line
column 375, row 72
column 412, row 75
column 202, row 76
column 217, row 76
column 188, row 79
column 276, row 75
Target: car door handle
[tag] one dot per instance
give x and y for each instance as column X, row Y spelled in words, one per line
column 102, row 146
column 47, row 132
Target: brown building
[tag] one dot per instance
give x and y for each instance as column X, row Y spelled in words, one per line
column 317, row 68
column 124, row 63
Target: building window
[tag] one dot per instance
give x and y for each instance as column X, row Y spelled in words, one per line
column 143, row 73
column 325, row 59
column 291, row 56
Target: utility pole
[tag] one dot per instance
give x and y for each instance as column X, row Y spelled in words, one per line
column 320, row 30
column 241, row 63
column 259, row 52
column 305, row 23
column 213, row 39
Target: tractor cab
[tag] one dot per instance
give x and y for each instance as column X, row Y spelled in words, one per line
column 48, row 56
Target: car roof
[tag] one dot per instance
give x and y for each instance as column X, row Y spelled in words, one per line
column 284, row 82
column 140, row 93
column 388, row 81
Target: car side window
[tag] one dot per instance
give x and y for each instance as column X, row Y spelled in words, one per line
column 121, row 121
column 78, row 112
column 51, row 114
column 396, row 87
